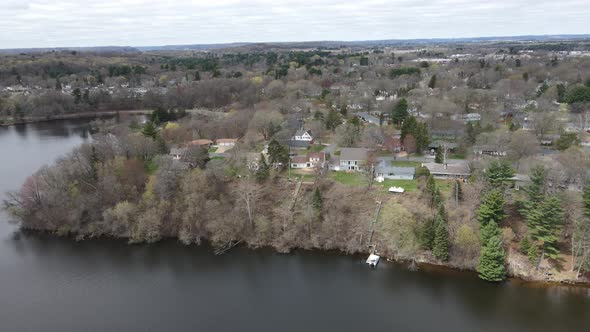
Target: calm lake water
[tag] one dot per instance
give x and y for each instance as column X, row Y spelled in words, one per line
column 55, row 284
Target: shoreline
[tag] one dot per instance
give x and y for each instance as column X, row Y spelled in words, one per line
column 71, row 116
column 422, row 263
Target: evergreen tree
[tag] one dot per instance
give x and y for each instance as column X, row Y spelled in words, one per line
column 525, row 245
column 430, row 185
column 488, row 231
column 277, row 153
column 422, row 137
column 400, row 112
column 491, row 208
column 536, row 190
column 499, row 172
column 545, row 223
column 333, row 120
column 263, row 170
column 492, row 258
column 438, row 158
column 533, row 254
column 432, row 82
column 149, row 130
column 197, row 76
column 317, row 200
column 409, row 126
column 318, row 116
column 440, row 247
column 427, row 234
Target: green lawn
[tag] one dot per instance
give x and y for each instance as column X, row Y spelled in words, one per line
column 350, row 179
column 356, row 179
column 212, row 149
column 408, row 185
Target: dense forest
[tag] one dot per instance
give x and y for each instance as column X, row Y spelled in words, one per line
column 513, row 117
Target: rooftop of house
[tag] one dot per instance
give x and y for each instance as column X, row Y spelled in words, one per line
column 317, row 155
column 297, row 144
column 301, row 132
column 459, row 168
column 386, row 167
column 299, row 159
column 353, row 154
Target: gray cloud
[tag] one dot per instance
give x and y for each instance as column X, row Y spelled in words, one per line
column 50, row 23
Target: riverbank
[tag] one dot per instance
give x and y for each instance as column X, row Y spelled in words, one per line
column 422, row 261
column 5, row 122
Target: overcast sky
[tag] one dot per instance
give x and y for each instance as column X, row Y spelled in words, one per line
column 53, row 23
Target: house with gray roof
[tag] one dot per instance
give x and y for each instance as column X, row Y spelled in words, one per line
column 353, row 159
column 452, row 170
column 386, row 170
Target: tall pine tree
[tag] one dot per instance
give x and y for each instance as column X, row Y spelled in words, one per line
column 491, row 208
column 491, row 265
column 440, row 247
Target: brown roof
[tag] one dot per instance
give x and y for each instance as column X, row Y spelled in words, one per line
column 201, row 142
column 299, row 159
column 319, row 155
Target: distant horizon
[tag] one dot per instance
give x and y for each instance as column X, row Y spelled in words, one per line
column 86, row 23
column 518, row 38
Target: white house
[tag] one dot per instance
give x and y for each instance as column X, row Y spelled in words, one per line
column 353, row 159
column 302, row 135
column 312, row 160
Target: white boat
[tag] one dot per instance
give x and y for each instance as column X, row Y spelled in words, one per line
column 373, row 260
column 398, row 190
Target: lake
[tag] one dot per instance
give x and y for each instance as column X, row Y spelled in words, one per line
column 56, row 284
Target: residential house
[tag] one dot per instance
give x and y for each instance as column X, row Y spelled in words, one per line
column 453, row 170
column 226, row 141
column 311, row 160
column 385, row 170
column 489, row 150
column 353, row 159
column 302, row 135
